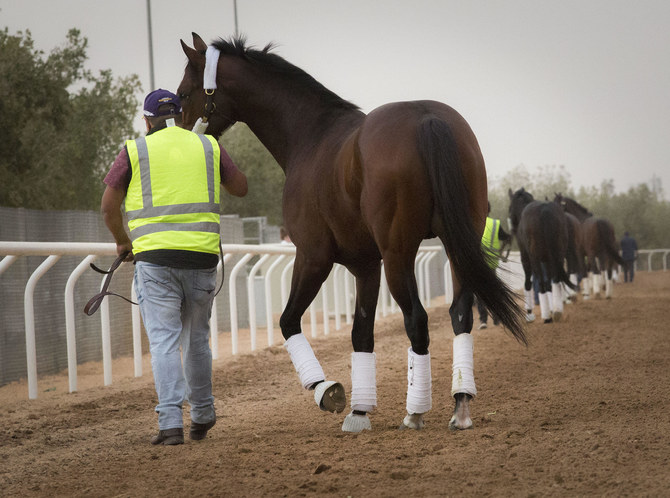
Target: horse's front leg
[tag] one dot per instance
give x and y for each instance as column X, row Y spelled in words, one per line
column 463, row 387
column 308, row 275
column 363, row 359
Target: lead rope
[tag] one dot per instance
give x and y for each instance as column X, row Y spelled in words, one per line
column 95, row 302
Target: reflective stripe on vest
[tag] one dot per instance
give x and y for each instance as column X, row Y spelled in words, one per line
column 491, row 242
column 149, row 210
column 161, row 213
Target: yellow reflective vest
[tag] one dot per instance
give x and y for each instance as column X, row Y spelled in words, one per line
column 173, row 196
column 491, row 242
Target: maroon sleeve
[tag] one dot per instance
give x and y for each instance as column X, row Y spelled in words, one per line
column 119, row 174
column 227, row 166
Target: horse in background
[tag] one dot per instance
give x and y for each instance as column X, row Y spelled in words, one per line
column 575, row 254
column 361, row 189
column 600, row 246
column 541, row 231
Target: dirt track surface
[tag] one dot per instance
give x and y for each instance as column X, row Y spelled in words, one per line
column 584, row 410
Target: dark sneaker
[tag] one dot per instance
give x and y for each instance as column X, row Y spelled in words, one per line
column 482, row 326
column 199, row 431
column 169, row 437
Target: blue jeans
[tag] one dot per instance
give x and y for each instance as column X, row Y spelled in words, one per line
column 176, row 305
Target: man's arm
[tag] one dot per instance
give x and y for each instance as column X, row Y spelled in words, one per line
column 236, row 184
column 110, row 206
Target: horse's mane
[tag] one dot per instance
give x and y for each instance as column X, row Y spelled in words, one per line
column 577, row 205
column 522, row 194
column 237, row 47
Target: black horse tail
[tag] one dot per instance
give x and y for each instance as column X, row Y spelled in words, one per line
column 606, row 235
column 440, row 155
column 552, row 235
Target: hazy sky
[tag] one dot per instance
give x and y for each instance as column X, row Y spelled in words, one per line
column 579, row 83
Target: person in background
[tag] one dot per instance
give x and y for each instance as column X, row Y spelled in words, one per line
column 629, row 255
column 493, row 240
column 170, row 181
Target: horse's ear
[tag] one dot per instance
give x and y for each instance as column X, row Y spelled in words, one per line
column 192, row 55
column 198, row 43
column 510, row 193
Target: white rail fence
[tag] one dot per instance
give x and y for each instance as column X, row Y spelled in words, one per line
column 272, row 269
column 268, row 276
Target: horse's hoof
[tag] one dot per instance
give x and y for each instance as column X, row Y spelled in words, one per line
column 413, row 421
column 557, row 316
column 460, row 425
column 330, row 396
column 548, row 320
column 356, row 423
column 530, row 317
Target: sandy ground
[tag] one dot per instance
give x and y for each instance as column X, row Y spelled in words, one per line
column 583, row 411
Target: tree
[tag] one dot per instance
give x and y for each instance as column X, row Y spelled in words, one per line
column 546, row 182
column 61, row 126
column 641, row 210
column 265, row 177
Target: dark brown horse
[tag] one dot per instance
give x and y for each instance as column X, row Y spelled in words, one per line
column 541, row 230
column 575, row 253
column 600, row 246
column 361, row 188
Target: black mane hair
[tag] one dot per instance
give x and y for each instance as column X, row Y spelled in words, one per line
column 237, row 47
column 578, row 206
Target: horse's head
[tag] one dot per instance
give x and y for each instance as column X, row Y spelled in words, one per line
column 560, row 200
column 572, row 207
column 518, row 201
column 214, row 106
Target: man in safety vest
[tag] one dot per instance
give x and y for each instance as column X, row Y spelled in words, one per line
column 170, row 181
column 492, row 241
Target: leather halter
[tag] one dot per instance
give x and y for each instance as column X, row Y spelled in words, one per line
column 209, row 85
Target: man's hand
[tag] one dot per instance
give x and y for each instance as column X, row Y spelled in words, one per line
column 125, row 247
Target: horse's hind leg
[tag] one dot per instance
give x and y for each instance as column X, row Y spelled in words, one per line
column 402, row 284
column 363, row 360
column 306, row 282
column 608, row 281
column 597, row 267
column 529, row 298
column 463, row 380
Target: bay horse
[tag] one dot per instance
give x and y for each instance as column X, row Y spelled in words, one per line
column 541, row 231
column 600, row 246
column 360, row 189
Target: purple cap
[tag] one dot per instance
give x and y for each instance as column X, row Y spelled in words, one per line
column 159, row 97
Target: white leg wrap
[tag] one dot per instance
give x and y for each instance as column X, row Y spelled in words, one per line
column 573, row 280
column 419, row 383
column 462, row 372
column 587, row 284
column 608, row 288
column 305, row 363
column 596, row 284
column 363, row 382
column 545, row 306
column 557, row 297
column 530, row 303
